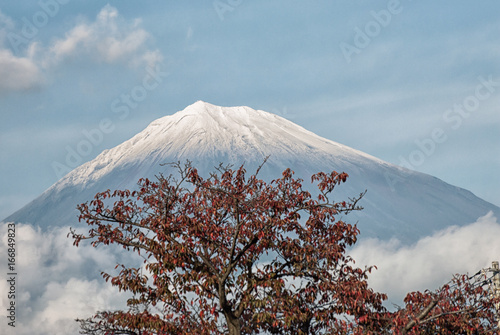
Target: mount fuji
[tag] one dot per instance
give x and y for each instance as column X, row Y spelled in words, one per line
column 399, row 203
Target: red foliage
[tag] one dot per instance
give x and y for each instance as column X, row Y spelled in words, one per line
column 232, row 254
column 235, row 255
column 463, row 306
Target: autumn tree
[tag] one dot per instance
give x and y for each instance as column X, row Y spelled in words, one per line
column 231, row 254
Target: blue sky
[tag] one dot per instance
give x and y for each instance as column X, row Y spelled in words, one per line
column 415, row 83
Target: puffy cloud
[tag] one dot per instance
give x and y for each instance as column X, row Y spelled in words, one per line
column 108, row 39
column 17, row 73
column 432, row 261
column 76, row 298
column 56, row 282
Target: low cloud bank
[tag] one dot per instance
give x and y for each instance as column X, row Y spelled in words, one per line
column 57, row 282
column 432, row 261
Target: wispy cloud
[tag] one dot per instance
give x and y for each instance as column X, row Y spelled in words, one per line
column 6, row 24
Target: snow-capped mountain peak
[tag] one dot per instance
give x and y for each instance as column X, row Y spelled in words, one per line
column 209, row 132
column 399, row 202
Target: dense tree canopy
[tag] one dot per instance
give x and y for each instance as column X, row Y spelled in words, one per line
column 232, row 254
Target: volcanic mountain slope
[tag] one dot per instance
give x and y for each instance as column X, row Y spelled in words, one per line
column 399, row 202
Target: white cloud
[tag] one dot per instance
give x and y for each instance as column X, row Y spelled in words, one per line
column 76, row 298
column 432, row 261
column 17, row 73
column 56, row 282
column 108, row 39
column 68, row 46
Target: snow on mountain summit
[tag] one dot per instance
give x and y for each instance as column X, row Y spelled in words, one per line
column 232, row 134
column 399, row 203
